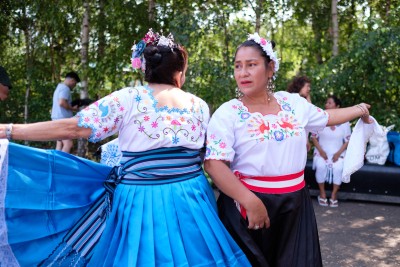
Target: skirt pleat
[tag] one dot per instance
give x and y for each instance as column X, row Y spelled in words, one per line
column 172, row 225
column 47, row 192
column 50, row 194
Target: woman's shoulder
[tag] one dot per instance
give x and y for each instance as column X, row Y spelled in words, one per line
column 230, row 105
column 289, row 96
column 197, row 101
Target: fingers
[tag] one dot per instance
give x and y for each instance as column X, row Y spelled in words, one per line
column 259, row 225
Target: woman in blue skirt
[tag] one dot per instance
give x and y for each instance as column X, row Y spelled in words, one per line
column 155, row 208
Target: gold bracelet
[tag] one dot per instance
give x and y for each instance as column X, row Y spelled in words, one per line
column 9, row 131
column 363, row 111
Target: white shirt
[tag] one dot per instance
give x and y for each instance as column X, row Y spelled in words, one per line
column 331, row 139
column 270, row 145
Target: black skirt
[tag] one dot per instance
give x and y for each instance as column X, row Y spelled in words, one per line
column 291, row 240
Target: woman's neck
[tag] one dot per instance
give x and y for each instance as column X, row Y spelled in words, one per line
column 162, row 86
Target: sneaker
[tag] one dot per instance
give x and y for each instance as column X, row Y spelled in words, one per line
column 322, row 201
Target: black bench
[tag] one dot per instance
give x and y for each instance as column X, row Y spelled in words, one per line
column 377, row 183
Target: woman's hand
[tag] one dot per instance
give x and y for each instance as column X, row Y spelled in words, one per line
column 257, row 214
column 336, row 156
column 364, row 108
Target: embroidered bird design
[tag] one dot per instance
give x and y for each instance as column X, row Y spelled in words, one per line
column 103, row 109
column 286, row 125
column 264, row 127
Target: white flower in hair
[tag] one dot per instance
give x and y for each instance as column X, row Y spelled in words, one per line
column 166, row 41
column 267, row 47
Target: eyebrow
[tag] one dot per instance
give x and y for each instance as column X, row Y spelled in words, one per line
column 247, row 60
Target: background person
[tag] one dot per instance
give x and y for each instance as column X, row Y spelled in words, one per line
column 5, row 84
column 256, row 155
column 157, row 209
column 302, row 86
column 330, row 148
column 62, row 107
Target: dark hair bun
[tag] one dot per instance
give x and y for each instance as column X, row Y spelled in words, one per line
column 152, row 55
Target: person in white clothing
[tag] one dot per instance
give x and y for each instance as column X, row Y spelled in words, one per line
column 330, row 148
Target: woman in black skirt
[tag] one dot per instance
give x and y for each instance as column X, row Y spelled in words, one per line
column 256, row 155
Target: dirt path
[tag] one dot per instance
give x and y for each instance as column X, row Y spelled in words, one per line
column 359, row 234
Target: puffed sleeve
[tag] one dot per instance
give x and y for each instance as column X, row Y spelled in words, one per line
column 220, row 134
column 317, row 118
column 105, row 116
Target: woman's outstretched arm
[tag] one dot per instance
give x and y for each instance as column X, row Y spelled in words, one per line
column 342, row 115
column 45, row 131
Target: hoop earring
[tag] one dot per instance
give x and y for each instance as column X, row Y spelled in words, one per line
column 238, row 93
column 270, row 88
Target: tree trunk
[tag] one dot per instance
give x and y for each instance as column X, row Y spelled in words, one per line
column 152, row 7
column 29, row 65
column 335, row 29
column 82, row 143
column 258, row 11
column 387, row 19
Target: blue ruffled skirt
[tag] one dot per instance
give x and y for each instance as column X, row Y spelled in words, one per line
column 45, row 194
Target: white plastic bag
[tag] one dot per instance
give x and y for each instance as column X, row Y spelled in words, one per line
column 378, row 147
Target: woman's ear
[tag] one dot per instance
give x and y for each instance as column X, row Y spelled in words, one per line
column 178, row 78
column 271, row 64
column 270, row 69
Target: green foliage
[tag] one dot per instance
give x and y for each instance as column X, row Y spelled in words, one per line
column 40, row 42
column 368, row 72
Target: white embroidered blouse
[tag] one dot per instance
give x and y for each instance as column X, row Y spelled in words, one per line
column 270, row 145
column 133, row 112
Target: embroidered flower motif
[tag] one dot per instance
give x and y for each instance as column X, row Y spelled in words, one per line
column 175, row 123
column 154, row 124
column 286, row 107
column 222, row 145
column 175, row 140
column 277, row 127
column 245, row 116
column 212, row 136
column 141, row 129
column 278, row 135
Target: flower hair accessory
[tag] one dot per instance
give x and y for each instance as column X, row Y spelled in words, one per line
column 151, row 38
column 267, row 47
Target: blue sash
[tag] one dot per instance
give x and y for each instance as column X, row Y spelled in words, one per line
column 158, row 166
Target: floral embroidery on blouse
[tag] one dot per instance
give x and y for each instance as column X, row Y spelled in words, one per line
column 278, row 128
column 167, row 126
column 105, row 117
column 215, row 147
